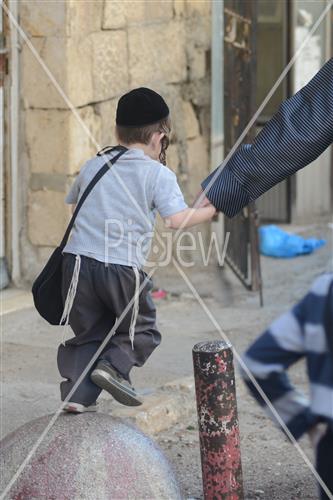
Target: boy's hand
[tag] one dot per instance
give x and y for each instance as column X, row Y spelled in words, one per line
column 204, row 202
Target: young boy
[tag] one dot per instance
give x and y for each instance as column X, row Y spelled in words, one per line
column 109, row 245
column 304, row 332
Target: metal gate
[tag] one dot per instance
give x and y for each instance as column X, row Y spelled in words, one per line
column 239, row 104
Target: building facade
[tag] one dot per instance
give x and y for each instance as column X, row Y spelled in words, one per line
column 67, row 65
column 64, row 65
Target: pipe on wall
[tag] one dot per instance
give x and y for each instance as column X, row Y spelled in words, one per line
column 14, row 136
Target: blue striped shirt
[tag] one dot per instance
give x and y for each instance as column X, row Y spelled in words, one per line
column 296, row 135
column 304, row 332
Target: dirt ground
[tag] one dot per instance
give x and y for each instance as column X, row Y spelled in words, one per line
column 272, row 468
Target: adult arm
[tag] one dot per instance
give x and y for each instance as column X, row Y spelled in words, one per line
column 296, row 135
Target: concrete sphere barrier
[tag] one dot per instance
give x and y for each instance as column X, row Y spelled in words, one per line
column 86, row 457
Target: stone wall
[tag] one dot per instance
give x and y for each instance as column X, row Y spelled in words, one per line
column 92, row 52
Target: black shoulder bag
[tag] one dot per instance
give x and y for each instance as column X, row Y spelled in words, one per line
column 46, row 289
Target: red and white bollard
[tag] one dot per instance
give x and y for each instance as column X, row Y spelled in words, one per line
column 218, row 421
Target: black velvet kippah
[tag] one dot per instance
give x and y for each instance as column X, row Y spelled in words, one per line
column 141, row 107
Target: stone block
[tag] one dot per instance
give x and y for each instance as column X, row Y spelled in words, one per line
column 106, row 110
column 54, row 182
column 59, row 75
column 157, row 53
column 39, row 18
column 47, row 140
column 172, row 95
column 84, row 17
column 183, row 119
column 190, row 121
column 179, row 8
column 109, row 64
column 144, row 11
column 199, row 92
column 173, row 157
column 114, row 15
column 119, row 14
column 83, row 144
column 199, row 30
column 97, row 67
column 166, row 406
column 90, row 69
column 36, row 86
column 198, row 7
column 197, row 165
column 47, row 217
column 197, row 64
column 79, row 70
column 57, row 143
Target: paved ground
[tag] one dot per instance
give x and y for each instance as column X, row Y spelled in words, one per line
column 272, row 468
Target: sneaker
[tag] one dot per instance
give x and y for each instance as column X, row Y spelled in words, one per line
column 71, row 407
column 107, row 378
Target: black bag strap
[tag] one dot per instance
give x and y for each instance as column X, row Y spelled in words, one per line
column 91, row 185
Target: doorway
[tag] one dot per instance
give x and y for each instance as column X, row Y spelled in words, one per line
column 273, row 49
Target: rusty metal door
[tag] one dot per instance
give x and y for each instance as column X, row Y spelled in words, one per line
column 239, row 105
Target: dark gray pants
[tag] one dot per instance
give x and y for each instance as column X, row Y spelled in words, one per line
column 102, row 294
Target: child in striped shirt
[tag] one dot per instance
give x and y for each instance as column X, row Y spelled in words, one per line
column 304, row 332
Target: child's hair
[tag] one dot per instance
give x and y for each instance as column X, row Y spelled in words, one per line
column 143, row 135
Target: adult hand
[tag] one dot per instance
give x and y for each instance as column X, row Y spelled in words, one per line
column 201, row 200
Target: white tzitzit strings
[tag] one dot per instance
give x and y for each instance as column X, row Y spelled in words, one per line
column 135, row 310
column 70, row 297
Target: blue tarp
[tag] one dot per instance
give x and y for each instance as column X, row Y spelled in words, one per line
column 274, row 242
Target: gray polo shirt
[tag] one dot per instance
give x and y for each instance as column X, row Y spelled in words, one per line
column 115, row 223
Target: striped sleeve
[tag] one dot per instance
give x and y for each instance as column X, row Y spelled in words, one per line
column 267, row 361
column 315, row 315
column 299, row 132
column 303, row 332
